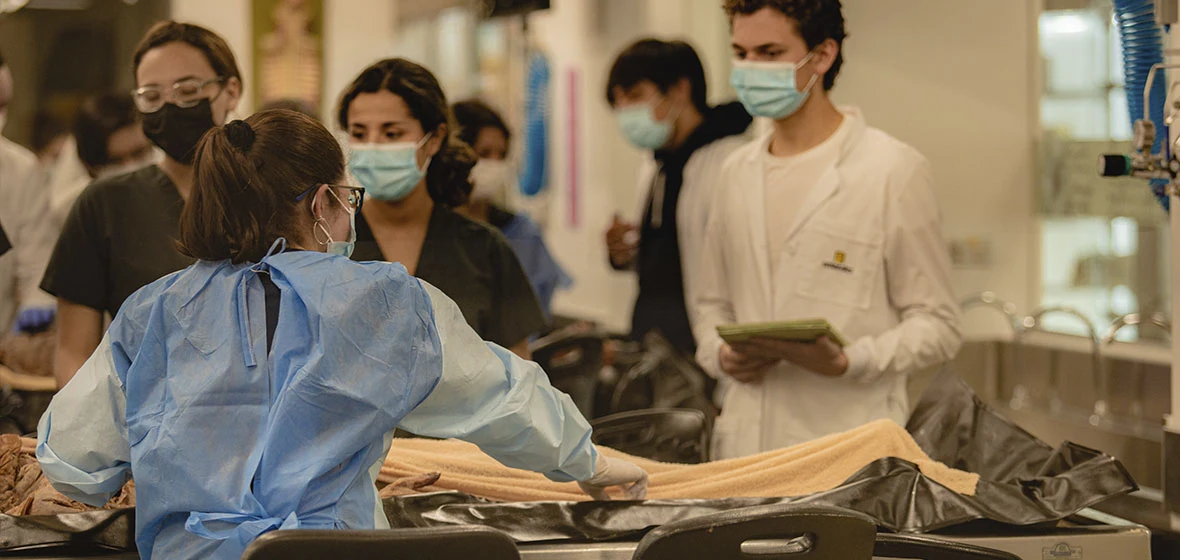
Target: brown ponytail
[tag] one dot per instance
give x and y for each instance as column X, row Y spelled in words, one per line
column 247, row 175
column 447, row 177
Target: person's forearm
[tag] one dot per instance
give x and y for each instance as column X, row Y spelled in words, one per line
column 67, row 362
column 79, row 330
column 505, row 405
column 923, row 339
column 522, row 349
column 82, row 436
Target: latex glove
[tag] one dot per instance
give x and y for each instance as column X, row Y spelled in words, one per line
column 34, row 319
column 610, row 472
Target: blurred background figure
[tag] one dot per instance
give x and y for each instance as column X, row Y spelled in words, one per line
column 658, row 92
column 108, row 140
column 49, row 138
column 22, row 207
column 494, row 179
column 121, row 234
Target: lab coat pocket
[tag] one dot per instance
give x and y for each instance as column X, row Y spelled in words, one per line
column 837, row 268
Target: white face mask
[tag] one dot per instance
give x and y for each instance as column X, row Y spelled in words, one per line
column 493, row 180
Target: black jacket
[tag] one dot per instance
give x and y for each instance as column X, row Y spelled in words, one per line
column 660, row 305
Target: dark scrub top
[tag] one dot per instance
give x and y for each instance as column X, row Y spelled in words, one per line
column 474, row 266
column 526, row 240
column 5, row 244
column 120, row 236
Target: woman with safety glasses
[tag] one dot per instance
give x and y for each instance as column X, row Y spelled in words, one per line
column 122, row 231
column 405, row 151
column 260, row 388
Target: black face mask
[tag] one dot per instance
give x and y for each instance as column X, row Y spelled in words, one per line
column 176, row 129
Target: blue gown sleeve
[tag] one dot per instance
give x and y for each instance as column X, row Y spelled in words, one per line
column 82, row 437
column 505, row 405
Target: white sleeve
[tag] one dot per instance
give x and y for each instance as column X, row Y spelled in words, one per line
column 702, row 181
column 82, row 438
column 490, row 397
column 918, row 273
column 33, row 239
column 710, row 291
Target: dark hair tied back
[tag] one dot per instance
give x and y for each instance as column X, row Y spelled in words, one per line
column 240, row 135
column 247, row 176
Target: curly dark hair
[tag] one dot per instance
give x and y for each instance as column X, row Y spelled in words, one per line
column 447, row 177
column 816, row 20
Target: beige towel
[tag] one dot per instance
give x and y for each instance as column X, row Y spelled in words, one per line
column 807, row 468
column 418, row 465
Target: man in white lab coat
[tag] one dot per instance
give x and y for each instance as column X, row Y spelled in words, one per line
column 23, row 200
column 824, row 217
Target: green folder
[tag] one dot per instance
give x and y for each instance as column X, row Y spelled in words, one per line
column 805, row 330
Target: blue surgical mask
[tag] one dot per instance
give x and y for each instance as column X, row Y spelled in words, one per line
column 342, row 248
column 389, row 172
column 639, row 125
column 767, row 89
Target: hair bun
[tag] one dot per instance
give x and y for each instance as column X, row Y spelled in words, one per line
column 240, row 135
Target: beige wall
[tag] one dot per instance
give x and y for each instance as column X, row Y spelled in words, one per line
column 356, row 34
column 955, row 79
column 231, row 20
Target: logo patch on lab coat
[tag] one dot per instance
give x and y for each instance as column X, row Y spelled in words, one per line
column 837, row 262
column 1062, row 551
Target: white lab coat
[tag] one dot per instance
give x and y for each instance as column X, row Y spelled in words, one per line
column 866, row 253
column 66, row 181
column 23, row 203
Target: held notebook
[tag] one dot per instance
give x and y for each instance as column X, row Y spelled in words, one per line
column 805, row 330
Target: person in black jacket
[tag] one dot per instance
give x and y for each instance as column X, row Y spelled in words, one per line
column 658, row 92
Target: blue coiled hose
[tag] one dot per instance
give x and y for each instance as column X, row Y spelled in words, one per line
column 1143, row 48
column 534, row 165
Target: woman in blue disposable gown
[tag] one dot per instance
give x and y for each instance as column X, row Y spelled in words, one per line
column 260, row 388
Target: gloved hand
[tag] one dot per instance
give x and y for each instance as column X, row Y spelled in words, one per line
column 615, row 472
column 34, row 319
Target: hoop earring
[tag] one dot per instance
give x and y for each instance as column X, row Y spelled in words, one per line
column 320, row 227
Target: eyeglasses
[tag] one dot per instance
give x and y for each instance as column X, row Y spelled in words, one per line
column 356, row 195
column 185, row 93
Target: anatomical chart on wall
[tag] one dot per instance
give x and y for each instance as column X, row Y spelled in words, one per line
column 288, row 52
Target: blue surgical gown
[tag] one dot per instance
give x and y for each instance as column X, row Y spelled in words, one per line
column 227, row 441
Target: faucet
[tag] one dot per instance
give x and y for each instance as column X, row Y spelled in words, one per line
column 1160, row 321
column 1134, row 319
column 1033, row 322
column 994, row 358
column 991, row 300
